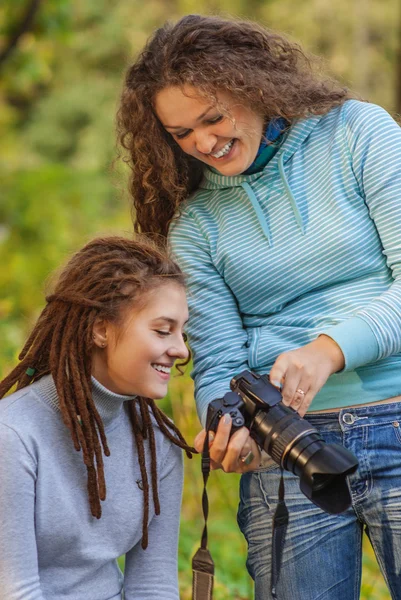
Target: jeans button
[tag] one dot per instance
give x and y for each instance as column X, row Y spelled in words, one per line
column 348, row 418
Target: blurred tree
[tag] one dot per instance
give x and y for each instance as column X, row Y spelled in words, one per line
column 20, row 29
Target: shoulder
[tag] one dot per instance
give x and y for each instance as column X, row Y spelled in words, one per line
column 200, row 218
column 24, row 413
column 356, row 114
column 15, row 439
column 13, row 408
column 194, row 206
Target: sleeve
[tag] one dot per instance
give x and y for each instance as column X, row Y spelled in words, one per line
column 19, row 573
column 152, row 573
column 374, row 142
column 216, row 334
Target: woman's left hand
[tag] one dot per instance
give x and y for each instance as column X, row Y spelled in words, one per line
column 301, row 373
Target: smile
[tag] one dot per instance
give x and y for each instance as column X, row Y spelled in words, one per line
column 223, row 151
column 161, row 368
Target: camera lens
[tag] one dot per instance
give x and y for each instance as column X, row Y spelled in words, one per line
column 295, row 444
column 298, row 447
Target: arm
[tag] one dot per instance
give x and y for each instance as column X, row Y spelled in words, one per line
column 217, row 338
column 19, row 574
column 373, row 332
column 215, row 330
column 152, row 573
column 374, row 142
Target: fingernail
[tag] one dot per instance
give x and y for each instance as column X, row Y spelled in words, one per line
column 226, row 419
column 211, row 436
column 277, row 384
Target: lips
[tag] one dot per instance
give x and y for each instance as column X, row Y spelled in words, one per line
column 162, row 368
column 163, row 371
column 224, row 150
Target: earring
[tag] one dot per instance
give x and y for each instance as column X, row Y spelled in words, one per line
column 103, row 344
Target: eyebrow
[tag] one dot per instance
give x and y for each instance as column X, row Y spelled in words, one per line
column 197, row 119
column 169, row 320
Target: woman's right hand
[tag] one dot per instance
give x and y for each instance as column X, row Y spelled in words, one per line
column 227, row 452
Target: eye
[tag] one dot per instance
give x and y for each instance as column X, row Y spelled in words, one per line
column 181, row 136
column 215, row 119
column 162, row 333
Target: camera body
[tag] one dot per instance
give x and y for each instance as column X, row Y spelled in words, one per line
column 242, row 407
column 289, row 439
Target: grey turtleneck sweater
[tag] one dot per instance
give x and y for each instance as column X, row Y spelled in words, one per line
column 51, row 548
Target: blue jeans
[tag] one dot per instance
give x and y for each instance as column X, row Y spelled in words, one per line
column 322, row 552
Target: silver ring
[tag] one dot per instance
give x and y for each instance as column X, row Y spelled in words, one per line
column 246, row 460
column 299, row 391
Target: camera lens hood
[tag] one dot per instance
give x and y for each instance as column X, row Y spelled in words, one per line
column 323, row 478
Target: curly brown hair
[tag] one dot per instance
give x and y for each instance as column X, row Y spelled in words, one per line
column 99, row 282
column 258, row 67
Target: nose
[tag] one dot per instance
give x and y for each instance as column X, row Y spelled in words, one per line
column 179, row 350
column 205, row 141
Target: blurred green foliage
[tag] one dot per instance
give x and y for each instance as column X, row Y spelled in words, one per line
column 59, row 88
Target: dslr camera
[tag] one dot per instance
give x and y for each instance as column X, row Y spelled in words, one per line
column 288, row 439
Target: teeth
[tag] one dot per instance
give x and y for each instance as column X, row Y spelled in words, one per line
column 224, row 150
column 162, row 368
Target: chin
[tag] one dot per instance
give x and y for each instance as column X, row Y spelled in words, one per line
column 155, row 394
column 233, row 170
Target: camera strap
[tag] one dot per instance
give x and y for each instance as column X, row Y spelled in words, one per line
column 280, row 523
column 202, row 562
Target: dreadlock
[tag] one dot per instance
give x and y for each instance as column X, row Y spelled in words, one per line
column 99, row 281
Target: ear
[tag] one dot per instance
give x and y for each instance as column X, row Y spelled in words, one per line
column 99, row 333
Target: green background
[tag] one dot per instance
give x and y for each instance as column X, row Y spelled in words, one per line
column 60, row 79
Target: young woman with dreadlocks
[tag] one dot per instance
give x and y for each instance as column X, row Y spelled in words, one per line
column 99, row 355
column 281, row 194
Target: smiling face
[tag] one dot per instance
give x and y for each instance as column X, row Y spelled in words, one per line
column 139, row 352
column 226, row 143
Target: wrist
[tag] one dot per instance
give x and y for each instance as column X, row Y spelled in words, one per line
column 332, row 350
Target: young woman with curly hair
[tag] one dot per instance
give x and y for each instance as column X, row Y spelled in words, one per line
column 281, row 196
column 99, row 355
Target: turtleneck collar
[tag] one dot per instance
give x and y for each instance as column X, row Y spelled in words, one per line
column 108, row 404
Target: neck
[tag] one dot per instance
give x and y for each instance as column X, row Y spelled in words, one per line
column 109, row 404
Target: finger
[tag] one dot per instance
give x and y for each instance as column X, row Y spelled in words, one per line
column 235, row 449
column 221, row 440
column 307, row 401
column 278, row 370
column 244, row 467
column 291, row 383
column 302, row 390
column 247, row 447
column 255, row 464
column 200, row 440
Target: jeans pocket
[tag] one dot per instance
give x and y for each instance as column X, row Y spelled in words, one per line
column 253, row 505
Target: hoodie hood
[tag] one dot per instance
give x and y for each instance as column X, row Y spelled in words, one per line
column 296, row 136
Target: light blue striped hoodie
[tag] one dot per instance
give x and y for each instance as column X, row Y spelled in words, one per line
column 309, row 245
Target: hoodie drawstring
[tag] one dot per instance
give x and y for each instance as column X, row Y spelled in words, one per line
column 258, row 210
column 256, row 206
column 289, row 193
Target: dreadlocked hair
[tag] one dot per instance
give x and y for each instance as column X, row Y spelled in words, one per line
column 99, row 282
column 260, row 68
